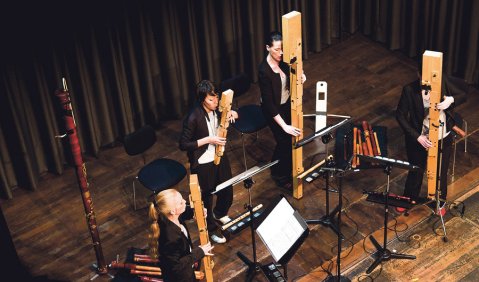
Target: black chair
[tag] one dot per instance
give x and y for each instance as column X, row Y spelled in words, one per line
column 251, row 118
column 157, row 175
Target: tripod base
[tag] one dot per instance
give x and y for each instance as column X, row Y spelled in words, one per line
column 335, row 279
column 253, row 268
column 94, row 266
column 383, row 254
column 437, row 211
column 328, row 221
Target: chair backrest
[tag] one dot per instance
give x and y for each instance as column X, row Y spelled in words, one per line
column 139, row 141
column 240, row 84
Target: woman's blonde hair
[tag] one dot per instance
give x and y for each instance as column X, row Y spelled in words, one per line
column 162, row 204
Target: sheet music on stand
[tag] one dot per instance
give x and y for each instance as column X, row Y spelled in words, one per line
column 282, row 230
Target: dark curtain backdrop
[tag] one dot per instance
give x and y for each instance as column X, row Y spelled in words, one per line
column 130, row 63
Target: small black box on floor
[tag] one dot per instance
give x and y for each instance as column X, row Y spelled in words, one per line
column 272, row 272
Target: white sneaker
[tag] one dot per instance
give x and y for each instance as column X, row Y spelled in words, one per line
column 225, row 219
column 219, row 239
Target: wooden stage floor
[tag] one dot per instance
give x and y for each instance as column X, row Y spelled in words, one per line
column 364, row 81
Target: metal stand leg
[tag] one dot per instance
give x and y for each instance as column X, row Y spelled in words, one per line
column 244, row 152
column 382, row 253
column 454, row 158
column 134, row 195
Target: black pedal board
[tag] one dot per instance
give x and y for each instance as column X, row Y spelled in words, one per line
column 272, row 272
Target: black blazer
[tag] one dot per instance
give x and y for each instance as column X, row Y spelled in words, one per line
column 176, row 259
column 270, row 87
column 410, row 110
column 194, row 128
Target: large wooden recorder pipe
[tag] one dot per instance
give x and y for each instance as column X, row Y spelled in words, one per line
column 154, row 273
column 115, row 264
column 146, row 259
column 150, row 279
column 373, row 141
column 367, row 138
column 377, row 142
column 355, row 134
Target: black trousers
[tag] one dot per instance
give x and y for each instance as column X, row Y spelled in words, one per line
column 417, row 155
column 210, row 176
column 282, row 171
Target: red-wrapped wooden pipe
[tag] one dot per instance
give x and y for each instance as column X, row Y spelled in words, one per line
column 71, row 132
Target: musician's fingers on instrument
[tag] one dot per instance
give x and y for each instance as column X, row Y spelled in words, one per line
column 297, row 131
column 220, row 140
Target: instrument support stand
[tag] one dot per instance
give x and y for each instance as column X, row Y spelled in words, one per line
column 382, row 253
column 328, row 220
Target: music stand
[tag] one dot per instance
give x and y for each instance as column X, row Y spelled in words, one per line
column 382, row 253
column 282, row 230
column 328, row 219
column 320, row 133
column 338, row 277
column 253, row 266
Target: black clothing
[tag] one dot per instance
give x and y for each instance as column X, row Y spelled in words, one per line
column 176, row 258
column 270, row 87
column 194, row 128
column 417, row 155
column 410, row 116
column 281, row 172
column 209, row 175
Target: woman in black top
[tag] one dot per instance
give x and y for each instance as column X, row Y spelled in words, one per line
column 170, row 240
column 199, row 139
column 276, row 106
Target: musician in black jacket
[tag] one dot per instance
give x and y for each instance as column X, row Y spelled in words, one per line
column 412, row 115
column 199, row 139
column 276, row 106
column 170, row 240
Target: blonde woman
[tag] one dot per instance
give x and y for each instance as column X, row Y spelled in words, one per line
column 170, row 240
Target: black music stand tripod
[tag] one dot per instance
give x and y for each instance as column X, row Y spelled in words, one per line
column 382, row 253
column 254, row 267
column 338, row 277
column 328, row 219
